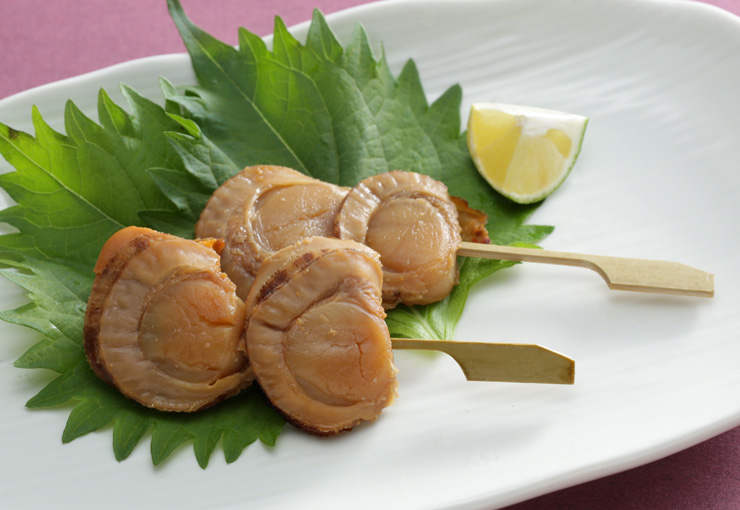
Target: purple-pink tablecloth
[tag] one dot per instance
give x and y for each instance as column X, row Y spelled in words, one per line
column 47, row 40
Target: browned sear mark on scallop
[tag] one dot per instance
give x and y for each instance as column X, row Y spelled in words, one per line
column 275, row 281
column 304, row 259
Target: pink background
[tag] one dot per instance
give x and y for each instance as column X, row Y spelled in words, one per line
column 43, row 41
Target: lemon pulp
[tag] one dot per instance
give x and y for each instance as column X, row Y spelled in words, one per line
column 524, row 152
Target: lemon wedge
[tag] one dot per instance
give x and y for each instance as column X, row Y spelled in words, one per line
column 524, row 152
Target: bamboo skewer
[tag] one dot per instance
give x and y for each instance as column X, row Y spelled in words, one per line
column 619, row 273
column 501, row 362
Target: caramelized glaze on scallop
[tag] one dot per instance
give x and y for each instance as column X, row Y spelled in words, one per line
column 472, row 222
column 164, row 324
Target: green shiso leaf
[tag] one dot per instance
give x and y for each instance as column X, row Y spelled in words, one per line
column 335, row 113
column 72, row 192
column 339, row 115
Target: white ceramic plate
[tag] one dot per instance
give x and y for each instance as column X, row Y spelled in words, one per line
column 657, row 178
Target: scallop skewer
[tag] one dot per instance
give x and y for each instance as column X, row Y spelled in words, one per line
column 409, row 218
column 166, row 328
column 413, row 223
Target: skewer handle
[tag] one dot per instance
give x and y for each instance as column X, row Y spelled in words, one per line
column 480, row 361
column 619, row 273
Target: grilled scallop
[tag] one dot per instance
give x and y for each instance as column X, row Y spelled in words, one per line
column 411, row 221
column 263, row 209
column 164, row 324
column 317, row 339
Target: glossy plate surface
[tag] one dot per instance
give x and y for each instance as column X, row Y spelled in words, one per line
column 657, row 178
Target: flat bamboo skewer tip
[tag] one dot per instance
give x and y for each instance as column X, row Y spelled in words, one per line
column 500, row 362
column 656, row 276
